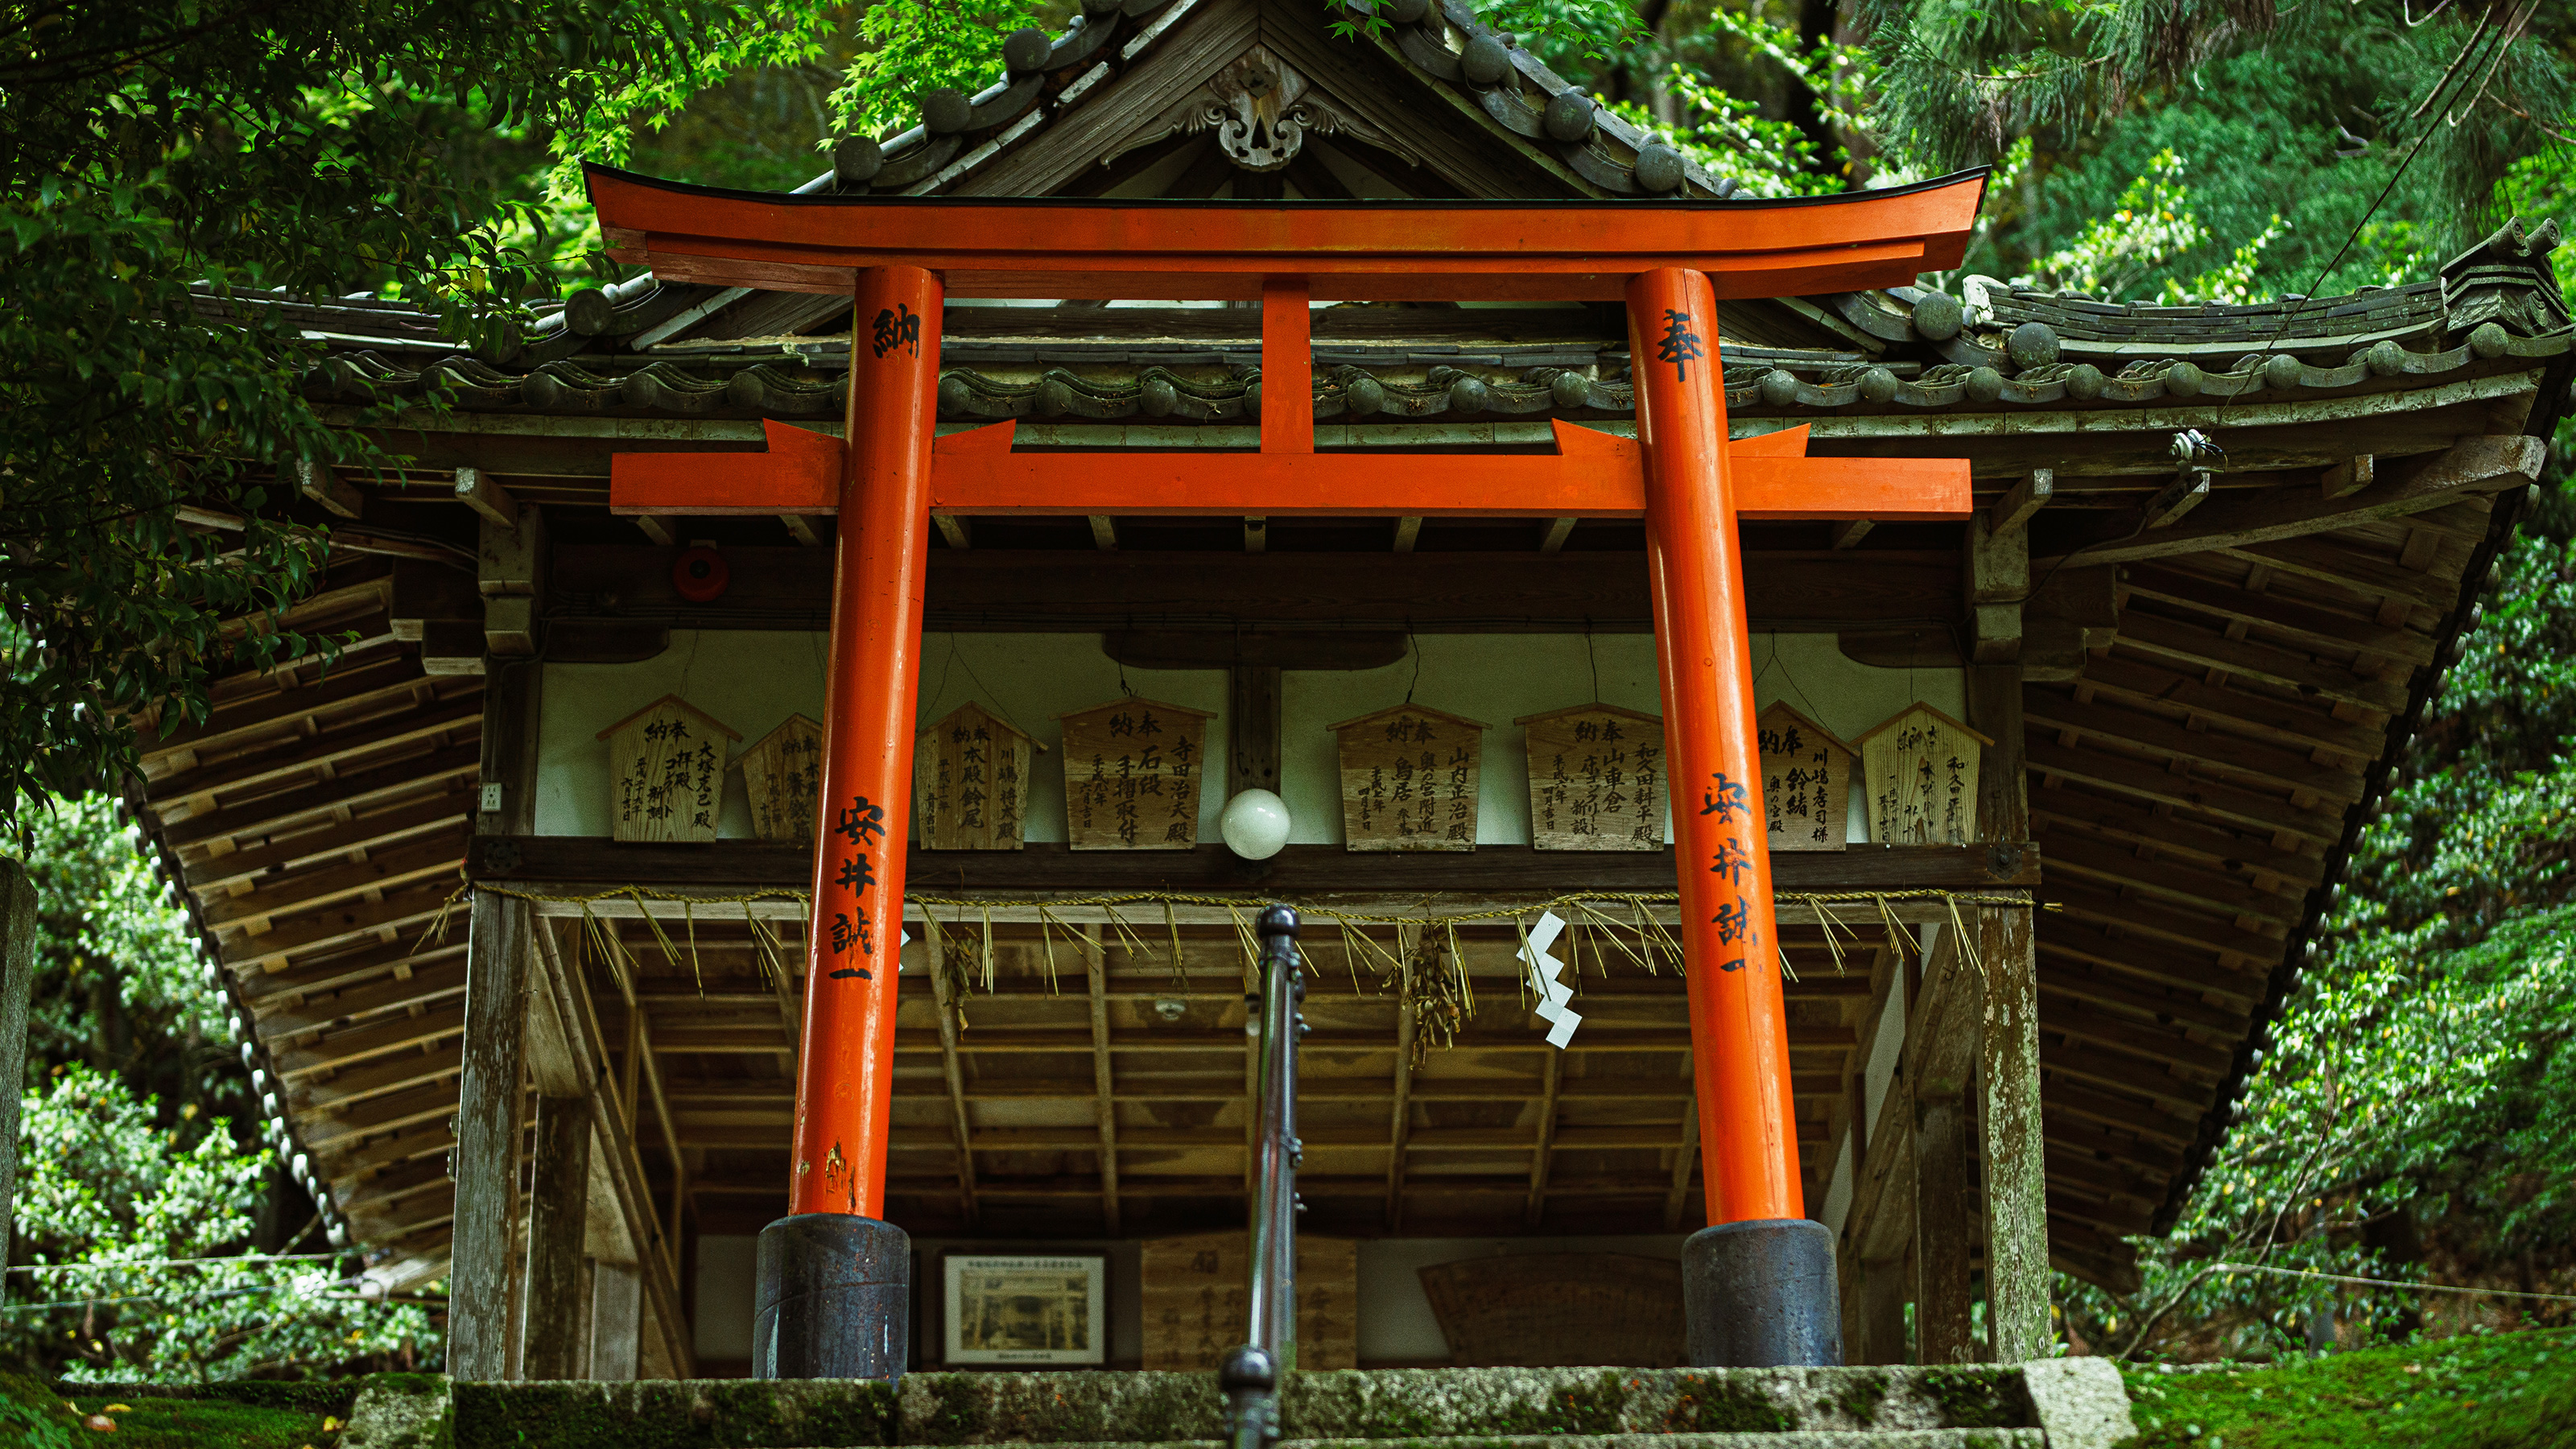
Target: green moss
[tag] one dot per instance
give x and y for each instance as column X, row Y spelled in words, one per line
column 1712, row 1404
column 164, row 1422
column 694, row 1414
column 310, row 1396
column 33, row 1416
column 1859, row 1397
column 1078, row 1407
column 1976, row 1398
column 1405, row 1404
column 2501, row 1391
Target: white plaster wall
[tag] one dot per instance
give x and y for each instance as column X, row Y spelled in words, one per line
column 753, row 680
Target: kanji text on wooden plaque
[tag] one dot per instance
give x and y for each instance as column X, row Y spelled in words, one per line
column 1920, row 769
column 970, row 782
column 783, row 775
column 1806, row 781
column 1132, row 769
column 1409, row 779
column 666, row 772
column 1194, row 1301
column 1596, row 776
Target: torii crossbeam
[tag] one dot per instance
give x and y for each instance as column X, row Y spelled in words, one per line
column 1759, row 1282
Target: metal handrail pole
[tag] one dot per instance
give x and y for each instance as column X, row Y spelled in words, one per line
column 1252, row 1373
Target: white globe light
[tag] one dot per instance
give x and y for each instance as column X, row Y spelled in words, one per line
column 1255, row 824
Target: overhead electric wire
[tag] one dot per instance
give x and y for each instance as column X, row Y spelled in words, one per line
column 2422, row 110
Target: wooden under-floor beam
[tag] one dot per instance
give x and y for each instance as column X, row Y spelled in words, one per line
column 498, row 952
column 1105, row 1102
column 1944, row 1233
column 1543, row 1152
column 944, row 994
column 1400, row 1127
column 616, row 1321
column 558, row 1218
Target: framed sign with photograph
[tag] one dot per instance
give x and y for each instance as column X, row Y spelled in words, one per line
column 1025, row 1309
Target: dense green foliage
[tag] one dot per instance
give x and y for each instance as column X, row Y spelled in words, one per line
column 138, row 1147
column 2475, row 1391
column 163, row 165
column 2417, row 1110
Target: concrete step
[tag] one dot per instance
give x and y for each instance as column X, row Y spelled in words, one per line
column 2064, row 1404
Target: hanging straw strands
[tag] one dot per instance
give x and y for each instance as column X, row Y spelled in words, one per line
column 1430, row 978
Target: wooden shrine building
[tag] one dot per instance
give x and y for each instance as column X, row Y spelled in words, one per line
column 2127, row 720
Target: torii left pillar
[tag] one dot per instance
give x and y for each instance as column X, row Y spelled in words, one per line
column 1758, row 1284
column 835, row 1279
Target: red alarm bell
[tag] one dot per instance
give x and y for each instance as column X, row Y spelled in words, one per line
column 700, row 575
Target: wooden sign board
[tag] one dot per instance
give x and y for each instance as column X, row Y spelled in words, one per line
column 1194, row 1301
column 1920, row 769
column 1596, row 778
column 1806, row 781
column 1132, row 769
column 783, row 775
column 1409, row 779
column 1534, row 1310
column 970, row 782
column 666, row 772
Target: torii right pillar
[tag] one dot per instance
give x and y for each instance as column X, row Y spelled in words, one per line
column 1758, row 1283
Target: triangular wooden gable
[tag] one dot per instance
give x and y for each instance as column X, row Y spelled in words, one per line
column 703, row 718
column 1807, row 722
column 1227, row 93
column 1456, row 719
column 1596, row 707
column 1919, row 707
column 942, row 722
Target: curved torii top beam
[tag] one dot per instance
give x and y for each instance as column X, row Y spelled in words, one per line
column 1347, row 250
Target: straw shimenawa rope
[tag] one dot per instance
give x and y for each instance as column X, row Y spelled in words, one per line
column 1430, row 978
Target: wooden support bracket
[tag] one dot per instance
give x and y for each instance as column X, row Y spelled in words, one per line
column 316, row 481
column 476, row 490
column 2027, row 497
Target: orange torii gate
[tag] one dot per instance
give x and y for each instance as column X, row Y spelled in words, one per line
column 834, row 1279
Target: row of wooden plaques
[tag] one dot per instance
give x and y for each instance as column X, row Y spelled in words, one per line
column 1134, row 770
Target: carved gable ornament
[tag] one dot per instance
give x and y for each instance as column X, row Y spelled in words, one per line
column 1261, row 108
